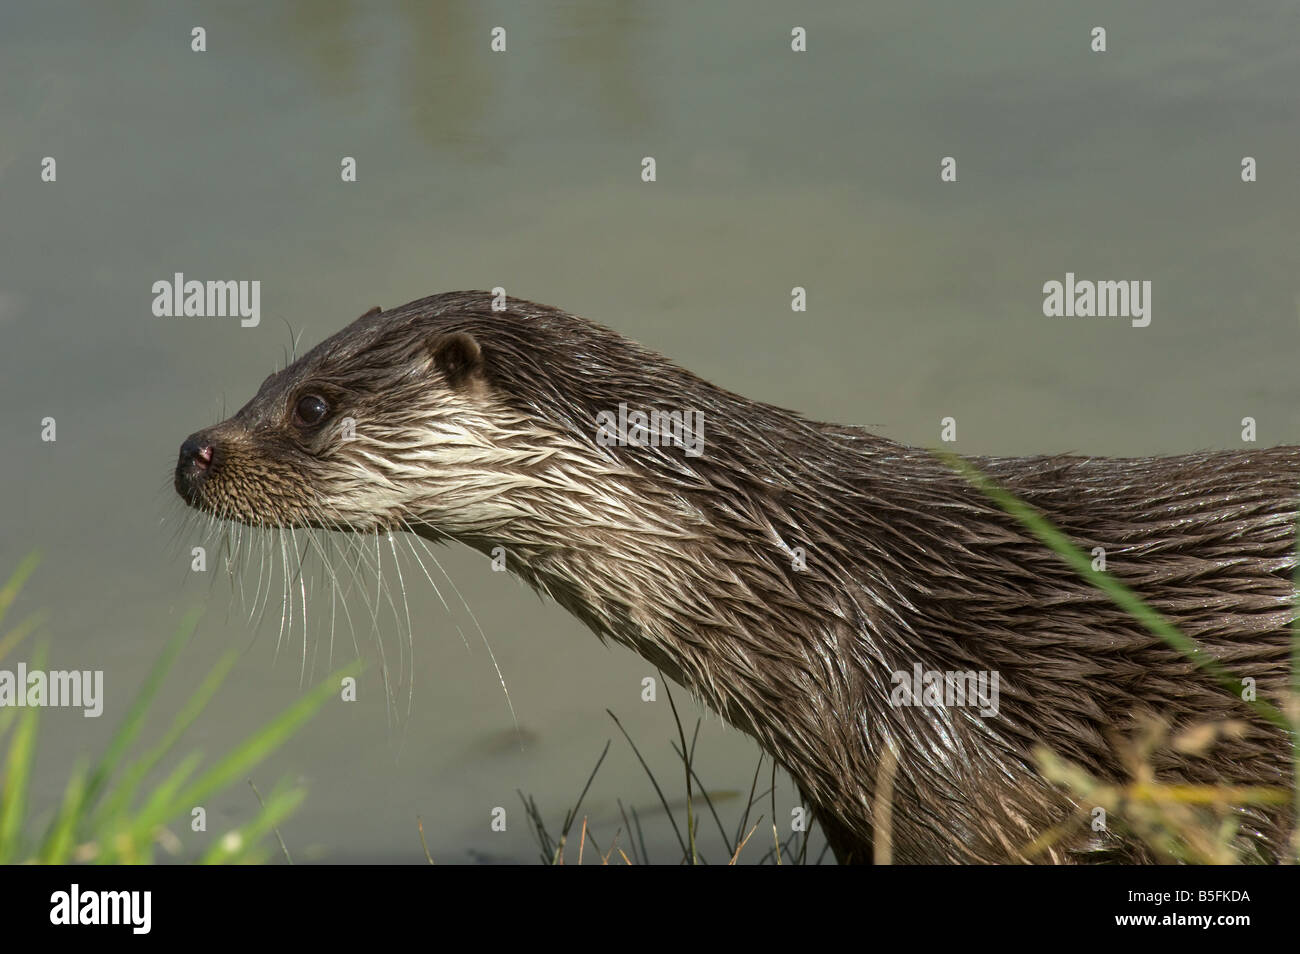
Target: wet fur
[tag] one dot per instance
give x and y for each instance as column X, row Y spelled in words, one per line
column 479, row 425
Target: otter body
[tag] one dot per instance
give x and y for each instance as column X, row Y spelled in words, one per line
column 788, row 572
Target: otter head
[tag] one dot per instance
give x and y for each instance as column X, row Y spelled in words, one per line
column 389, row 424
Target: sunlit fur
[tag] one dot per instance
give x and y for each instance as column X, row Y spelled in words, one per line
column 687, row 560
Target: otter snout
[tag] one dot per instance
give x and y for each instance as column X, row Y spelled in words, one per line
column 197, row 457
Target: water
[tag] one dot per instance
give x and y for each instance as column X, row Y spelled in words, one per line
column 522, row 169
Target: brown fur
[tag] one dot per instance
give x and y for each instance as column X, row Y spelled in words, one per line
column 687, row 560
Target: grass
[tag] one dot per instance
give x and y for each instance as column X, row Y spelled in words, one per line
column 1178, row 823
column 734, row 841
column 108, row 814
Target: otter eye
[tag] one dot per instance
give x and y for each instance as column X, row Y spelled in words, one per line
column 311, row 409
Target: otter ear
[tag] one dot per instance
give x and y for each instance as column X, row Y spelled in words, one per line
column 458, row 357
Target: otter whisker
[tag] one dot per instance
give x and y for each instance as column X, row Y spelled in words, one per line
column 270, row 536
column 392, row 603
column 340, row 590
column 302, row 588
column 410, row 535
column 249, row 538
column 374, row 607
column 353, row 545
column 286, row 589
column 410, row 629
column 413, row 536
column 381, row 587
column 328, row 563
column 263, row 539
column 234, row 561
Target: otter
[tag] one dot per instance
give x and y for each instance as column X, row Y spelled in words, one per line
column 789, row 570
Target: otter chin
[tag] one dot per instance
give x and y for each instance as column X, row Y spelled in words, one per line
column 790, row 570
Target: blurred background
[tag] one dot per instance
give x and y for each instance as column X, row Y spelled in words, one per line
column 522, row 169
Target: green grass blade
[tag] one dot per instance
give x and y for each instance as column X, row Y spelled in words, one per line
column 60, row 841
column 120, row 835
column 134, row 720
column 1122, row 596
column 18, row 767
column 236, row 845
column 126, row 788
column 9, row 592
column 248, row 753
column 9, row 642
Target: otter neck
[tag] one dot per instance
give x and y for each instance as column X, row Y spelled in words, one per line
column 647, row 574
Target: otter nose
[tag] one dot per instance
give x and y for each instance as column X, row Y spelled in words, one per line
column 195, row 453
column 193, row 464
